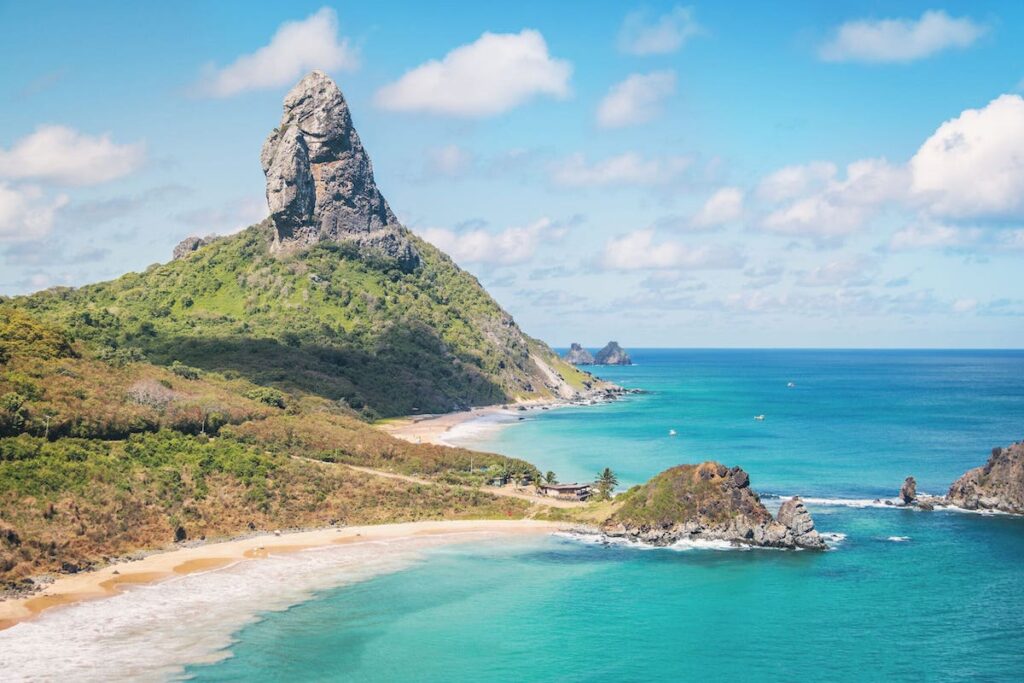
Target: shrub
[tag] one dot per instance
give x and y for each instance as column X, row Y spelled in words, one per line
column 185, row 371
column 267, row 395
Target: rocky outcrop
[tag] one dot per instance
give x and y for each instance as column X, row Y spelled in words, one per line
column 997, row 485
column 189, row 245
column 578, row 355
column 612, row 354
column 708, row 502
column 320, row 184
column 908, row 492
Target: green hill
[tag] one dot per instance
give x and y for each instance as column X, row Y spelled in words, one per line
column 227, row 390
column 329, row 320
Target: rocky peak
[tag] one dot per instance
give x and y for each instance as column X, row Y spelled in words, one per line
column 795, row 516
column 187, row 246
column 612, row 354
column 320, row 184
column 578, row 355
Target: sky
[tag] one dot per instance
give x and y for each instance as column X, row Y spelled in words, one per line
column 744, row 174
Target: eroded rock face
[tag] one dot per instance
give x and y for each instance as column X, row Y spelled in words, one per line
column 612, row 354
column 187, row 246
column 578, row 355
column 908, row 492
column 795, row 516
column 997, row 485
column 320, row 184
column 709, row 502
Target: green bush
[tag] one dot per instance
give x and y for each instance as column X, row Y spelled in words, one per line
column 267, row 395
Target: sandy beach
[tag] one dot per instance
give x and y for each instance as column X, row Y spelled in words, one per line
column 434, row 428
column 112, row 579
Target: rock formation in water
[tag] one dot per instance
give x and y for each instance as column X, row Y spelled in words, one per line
column 578, row 355
column 612, row 354
column 709, row 502
column 908, row 492
column 320, row 184
column 996, row 485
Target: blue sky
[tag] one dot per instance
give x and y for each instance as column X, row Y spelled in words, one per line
column 708, row 174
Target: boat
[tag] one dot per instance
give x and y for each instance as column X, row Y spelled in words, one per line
column 759, row 418
column 672, row 432
column 791, row 385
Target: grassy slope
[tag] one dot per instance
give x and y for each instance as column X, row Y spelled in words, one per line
column 327, row 321
column 135, row 451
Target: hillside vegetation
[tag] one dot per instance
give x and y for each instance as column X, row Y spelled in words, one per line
column 331, row 321
column 101, row 455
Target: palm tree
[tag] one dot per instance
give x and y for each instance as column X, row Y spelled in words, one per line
column 606, row 483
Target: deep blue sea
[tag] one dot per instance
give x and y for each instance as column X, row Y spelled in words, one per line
column 903, row 595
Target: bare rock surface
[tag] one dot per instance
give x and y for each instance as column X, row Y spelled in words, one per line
column 320, row 184
column 612, row 354
column 578, row 355
column 996, row 485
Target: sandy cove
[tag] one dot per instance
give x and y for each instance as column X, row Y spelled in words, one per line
column 432, row 428
column 110, row 580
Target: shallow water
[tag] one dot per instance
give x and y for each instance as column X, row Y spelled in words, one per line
column 903, row 595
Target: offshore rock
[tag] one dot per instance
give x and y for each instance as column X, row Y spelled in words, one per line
column 578, row 355
column 320, row 184
column 997, row 485
column 795, row 516
column 908, row 492
column 612, row 354
column 708, row 502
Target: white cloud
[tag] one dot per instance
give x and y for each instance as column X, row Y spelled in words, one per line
column 621, row 170
column 487, row 77
column 642, row 35
column 965, row 305
column 636, row 99
column 63, row 155
column 973, row 165
column 296, row 48
column 847, row 272
column 510, row 246
column 26, row 213
column 793, row 181
column 449, row 161
column 638, row 251
column 932, row 236
column 227, row 218
column 842, row 206
column 900, row 40
column 724, row 206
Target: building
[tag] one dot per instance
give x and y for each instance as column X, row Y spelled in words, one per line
column 566, row 491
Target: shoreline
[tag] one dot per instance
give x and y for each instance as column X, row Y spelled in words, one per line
column 113, row 579
column 432, row 428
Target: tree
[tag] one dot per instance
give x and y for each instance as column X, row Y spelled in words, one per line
column 606, row 482
column 550, row 478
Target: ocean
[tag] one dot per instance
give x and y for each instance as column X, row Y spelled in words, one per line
column 901, row 595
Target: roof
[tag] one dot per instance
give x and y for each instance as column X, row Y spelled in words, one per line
column 565, row 487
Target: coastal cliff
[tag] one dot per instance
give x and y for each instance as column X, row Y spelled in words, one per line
column 709, row 502
column 998, row 485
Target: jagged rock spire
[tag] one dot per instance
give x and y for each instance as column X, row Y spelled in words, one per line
column 320, row 182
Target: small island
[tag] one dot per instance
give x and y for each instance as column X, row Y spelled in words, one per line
column 578, row 355
column 708, row 502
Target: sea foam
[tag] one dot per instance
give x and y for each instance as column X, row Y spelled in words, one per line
column 150, row 632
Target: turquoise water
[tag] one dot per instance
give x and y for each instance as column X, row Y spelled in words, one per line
column 904, row 596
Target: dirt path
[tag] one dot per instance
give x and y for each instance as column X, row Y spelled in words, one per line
column 509, row 491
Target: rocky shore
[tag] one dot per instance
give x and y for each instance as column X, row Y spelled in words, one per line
column 709, row 502
column 997, row 486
